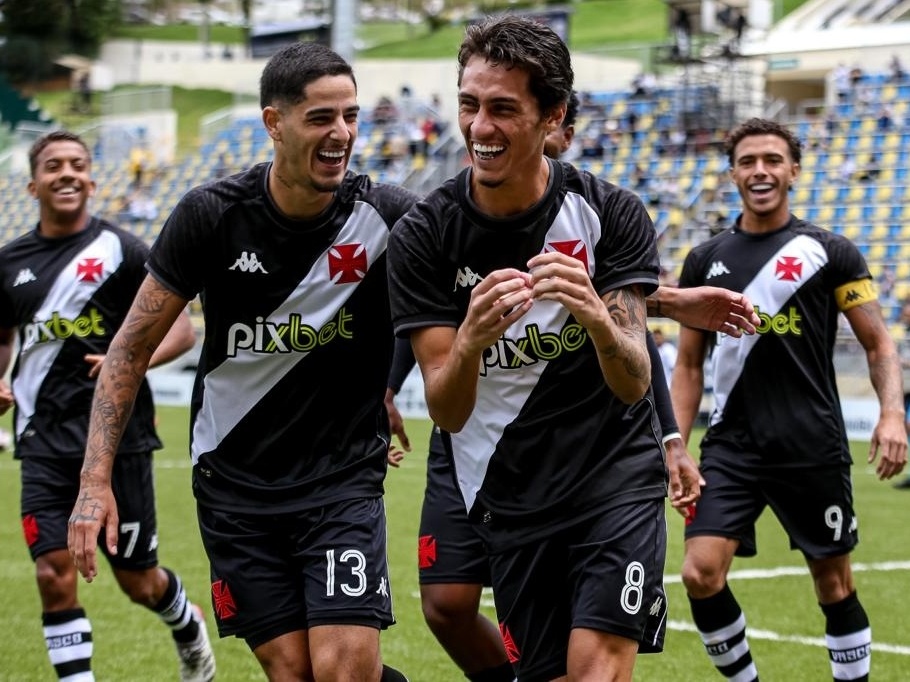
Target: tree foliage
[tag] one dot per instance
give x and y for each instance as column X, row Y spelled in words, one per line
column 38, row 31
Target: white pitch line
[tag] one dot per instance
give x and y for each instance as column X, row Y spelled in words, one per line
column 782, row 571
column 753, row 633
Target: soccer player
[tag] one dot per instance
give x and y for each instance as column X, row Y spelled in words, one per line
column 65, row 289
column 521, row 283
column 776, row 436
column 289, row 453
column 452, row 561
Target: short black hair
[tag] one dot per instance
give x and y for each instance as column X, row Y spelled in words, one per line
column 290, row 70
column 56, row 136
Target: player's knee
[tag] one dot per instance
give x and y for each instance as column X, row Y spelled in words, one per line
column 56, row 584
column 442, row 610
column 701, row 580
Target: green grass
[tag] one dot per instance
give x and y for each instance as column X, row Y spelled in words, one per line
column 131, row 645
column 191, row 104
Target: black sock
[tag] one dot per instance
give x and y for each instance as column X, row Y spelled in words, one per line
column 722, row 626
column 176, row 610
column 849, row 639
column 68, row 637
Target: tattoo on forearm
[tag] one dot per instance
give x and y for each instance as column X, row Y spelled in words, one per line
column 628, row 310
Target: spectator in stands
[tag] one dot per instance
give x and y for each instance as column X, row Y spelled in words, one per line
column 871, row 169
column 288, row 461
column 847, row 169
column 682, row 33
column 643, row 85
column 817, row 136
column 777, row 438
column 667, row 351
column 896, row 70
column 841, row 79
column 884, row 120
column 138, row 162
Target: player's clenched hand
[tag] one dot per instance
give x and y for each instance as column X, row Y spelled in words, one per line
column 685, row 479
column 95, row 510
column 890, row 438
column 500, row 298
column 558, row 277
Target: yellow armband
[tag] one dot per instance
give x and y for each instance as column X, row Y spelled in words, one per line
column 856, row 293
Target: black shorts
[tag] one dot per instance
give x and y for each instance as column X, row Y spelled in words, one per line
column 274, row 574
column 449, row 550
column 814, row 505
column 49, row 489
column 605, row 573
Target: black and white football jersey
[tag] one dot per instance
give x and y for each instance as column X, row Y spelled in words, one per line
column 775, row 391
column 287, row 407
column 547, row 440
column 67, row 297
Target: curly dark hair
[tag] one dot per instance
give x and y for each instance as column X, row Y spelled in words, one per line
column 518, row 42
column 763, row 126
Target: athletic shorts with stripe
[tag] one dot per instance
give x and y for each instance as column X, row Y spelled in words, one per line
column 813, row 504
column 279, row 573
column 49, row 489
column 604, row 573
column 449, row 550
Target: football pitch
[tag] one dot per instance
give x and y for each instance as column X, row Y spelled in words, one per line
column 774, row 589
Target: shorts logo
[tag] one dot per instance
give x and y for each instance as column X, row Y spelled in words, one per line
column 30, row 529
column 223, row 600
column 90, row 270
column 789, row 268
column 347, row 263
column 511, row 648
column 426, row 551
column 690, row 514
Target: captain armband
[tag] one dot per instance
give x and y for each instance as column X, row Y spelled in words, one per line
column 855, row 293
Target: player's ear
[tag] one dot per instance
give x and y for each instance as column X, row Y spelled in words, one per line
column 554, row 118
column 92, row 186
column 33, row 189
column 271, row 118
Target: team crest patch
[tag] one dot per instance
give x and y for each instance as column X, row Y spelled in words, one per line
column 574, row 248
column 789, row 268
column 30, row 529
column 347, row 263
column 223, row 600
column 426, row 551
column 90, row 270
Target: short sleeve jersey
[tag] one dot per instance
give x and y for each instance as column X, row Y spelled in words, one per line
column 67, row 297
column 775, row 391
column 287, row 409
column 547, row 441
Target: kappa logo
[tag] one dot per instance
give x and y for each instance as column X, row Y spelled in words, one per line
column 789, row 268
column 90, row 270
column 465, row 277
column 657, row 607
column 30, row 529
column 383, row 589
column 852, row 295
column 24, row 276
column 347, row 263
column 248, row 262
column 717, row 269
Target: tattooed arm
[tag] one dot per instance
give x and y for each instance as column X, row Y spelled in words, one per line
column 152, row 314
column 616, row 323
